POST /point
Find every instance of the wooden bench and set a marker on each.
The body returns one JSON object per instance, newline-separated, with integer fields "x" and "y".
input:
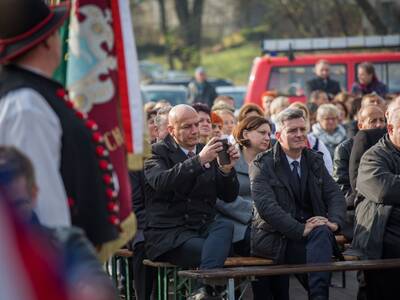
{"x": 250, "y": 272}
{"x": 167, "y": 275}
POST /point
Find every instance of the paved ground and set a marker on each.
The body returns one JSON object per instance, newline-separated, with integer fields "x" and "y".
{"x": 297, "y": 292}
{"x": 349, "y": 293}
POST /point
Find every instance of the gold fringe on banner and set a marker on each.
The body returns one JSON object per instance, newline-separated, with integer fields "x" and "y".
{"x": 128, "y": 230}
{"x": 136, "y": 161}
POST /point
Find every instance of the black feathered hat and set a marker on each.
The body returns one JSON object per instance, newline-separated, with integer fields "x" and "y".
{"x": 26, "y": 23}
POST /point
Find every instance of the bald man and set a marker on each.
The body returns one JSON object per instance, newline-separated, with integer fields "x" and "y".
{"x": 183, "y": 180}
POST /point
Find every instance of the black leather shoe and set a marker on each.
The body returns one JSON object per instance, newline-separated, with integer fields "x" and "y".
{"x": 205, "y": 292}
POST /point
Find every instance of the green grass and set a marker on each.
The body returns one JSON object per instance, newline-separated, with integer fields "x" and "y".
{"x": 234, "y": 63}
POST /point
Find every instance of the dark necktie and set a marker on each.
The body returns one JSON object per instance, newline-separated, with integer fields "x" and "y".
{"x": 191, "y": 154}
{"x": 296, "y": 179}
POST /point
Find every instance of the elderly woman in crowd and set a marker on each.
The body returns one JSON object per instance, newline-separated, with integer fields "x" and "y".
{"x": 205, "y": 127}
{"x": 328, "y": 130}
{"x": 313, "y": 142}
{"x": 249, "y": 109}
{"x": 253, "y": 137}
{"x": 368, "y": 81}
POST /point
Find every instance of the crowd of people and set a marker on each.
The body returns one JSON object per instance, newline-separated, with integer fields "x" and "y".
{"x": 275, "y": 181}
{"x": 296, "y": 174}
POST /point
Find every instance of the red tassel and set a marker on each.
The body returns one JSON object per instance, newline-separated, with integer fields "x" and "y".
{"x": 97, "y": 137}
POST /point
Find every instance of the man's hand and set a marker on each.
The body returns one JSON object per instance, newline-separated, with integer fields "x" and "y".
{"x": 332, "y": 226}
{"x": 210, "y": 151}
{"x": 234, "y": 155}
{"x": 309, "y": 226}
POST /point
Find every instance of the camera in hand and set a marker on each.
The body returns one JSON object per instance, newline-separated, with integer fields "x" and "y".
{"x": 223, "y": 155}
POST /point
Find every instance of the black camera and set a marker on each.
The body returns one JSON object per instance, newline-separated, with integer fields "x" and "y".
{"x": 223, "y": 156}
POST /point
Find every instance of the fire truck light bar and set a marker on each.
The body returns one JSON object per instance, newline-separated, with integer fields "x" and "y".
{"x": 331, "y": 43}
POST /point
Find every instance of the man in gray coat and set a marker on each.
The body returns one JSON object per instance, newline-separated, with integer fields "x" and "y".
{"x": 298, "y": 205}
{"x": 377, "y": 230}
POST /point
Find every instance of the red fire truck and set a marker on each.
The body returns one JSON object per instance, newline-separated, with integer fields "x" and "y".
{"x": 288, "y": 74}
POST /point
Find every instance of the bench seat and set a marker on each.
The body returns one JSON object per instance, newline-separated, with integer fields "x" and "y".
{"x": 229, "y": 262}
{"x": 238, "y": 272}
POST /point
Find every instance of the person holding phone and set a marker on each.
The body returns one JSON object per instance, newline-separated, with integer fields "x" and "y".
{"x": 183, "y": 180}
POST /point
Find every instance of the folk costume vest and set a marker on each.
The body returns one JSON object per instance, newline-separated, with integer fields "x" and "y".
{"x": 85, "y": 166}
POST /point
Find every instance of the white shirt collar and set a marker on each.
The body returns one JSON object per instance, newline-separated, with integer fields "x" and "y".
{"x": 290, "y": 160}
{"x": 186, "y": 151}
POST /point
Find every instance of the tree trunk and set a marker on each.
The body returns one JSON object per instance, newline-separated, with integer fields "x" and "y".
{"x": 190, "y": 24}
{"x": 190, "y": 21}
{"x": 373, "y": 17}
{"x": 165, "y": 33}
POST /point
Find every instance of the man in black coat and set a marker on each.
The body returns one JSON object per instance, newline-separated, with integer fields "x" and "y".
{"x": 298, "y": 205}
{"x": 377, "y": 230}
{"x": 183, "y": 180}
{"x": 322, "y": 81}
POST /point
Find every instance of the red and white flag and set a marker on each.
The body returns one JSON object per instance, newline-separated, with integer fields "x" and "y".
{"x": 102, "y": 79}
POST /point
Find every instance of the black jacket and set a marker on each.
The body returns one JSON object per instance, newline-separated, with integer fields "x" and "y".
{"x": 181, "y": 196}
{"x": 274, "y": 219}
{"x": 330, "y": 86}
{"x": 363, "y": 140}
{"x": 138, "y": 197}
{"x": 379, "y": 182}
{"x": 341, "y": 160}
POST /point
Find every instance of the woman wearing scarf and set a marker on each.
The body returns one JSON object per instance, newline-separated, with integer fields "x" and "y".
{"x": 367, "y": 81}
{"x": 328, "y": 130}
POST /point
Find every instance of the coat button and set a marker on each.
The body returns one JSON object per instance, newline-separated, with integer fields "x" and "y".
{"x": 186, "y": 216}
{"x": 189, "y": 200}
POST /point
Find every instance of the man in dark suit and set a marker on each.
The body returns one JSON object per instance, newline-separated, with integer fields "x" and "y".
{"x": 322, "y": 82}
{"x": 377, "y": 229}
{"x": 298, "y": 205}
{"x": 183, "y": 180}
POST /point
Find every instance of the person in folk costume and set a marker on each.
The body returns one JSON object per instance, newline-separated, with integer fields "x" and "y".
{"x": 74, "y": 173}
